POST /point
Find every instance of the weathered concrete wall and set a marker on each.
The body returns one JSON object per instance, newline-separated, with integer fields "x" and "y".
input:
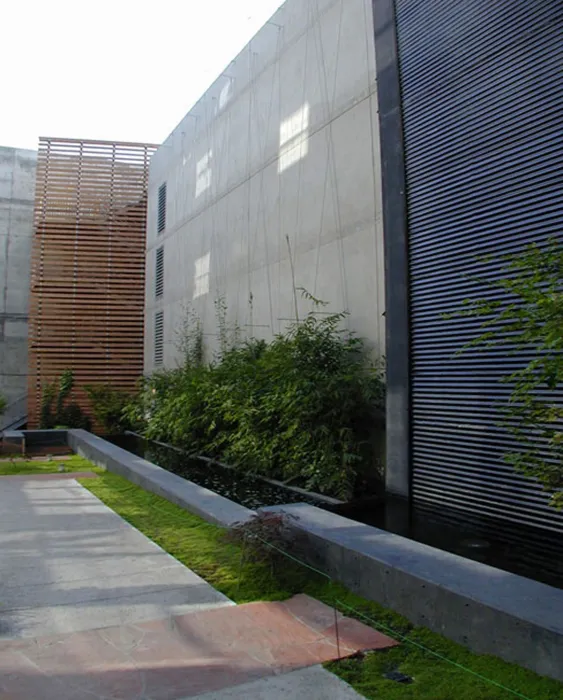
{"x": 17, "y": 194}
{"x": 281, "y": 153}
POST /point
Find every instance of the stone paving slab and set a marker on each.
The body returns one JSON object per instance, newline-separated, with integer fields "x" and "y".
{"x": 69, "y": 563}
{"x": 184, "y": 656}
{"x": 312, "y": 683}
{"x": 47, "y": 477}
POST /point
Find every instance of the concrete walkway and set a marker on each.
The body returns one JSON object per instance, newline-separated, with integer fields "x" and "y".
{"x": 90, "y": 608}
{"x": 313, "y": 683}
{"x": 69, "y": 563}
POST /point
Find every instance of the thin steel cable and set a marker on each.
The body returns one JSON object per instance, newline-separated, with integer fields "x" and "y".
{"x": 394, "y": 633}
{"x": 342, "y": 604}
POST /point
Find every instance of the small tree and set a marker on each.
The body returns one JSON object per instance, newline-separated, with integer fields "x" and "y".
{"x": 530, "y": 319}
{"x": 109, "y": 407}
{"x": 55, "y": 411}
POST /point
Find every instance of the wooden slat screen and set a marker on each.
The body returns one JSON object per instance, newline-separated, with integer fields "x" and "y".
{"x": 88, "y": 266}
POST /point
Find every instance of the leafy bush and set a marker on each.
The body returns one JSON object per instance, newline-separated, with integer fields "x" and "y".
{"x": 55, "y": 412}
{"x": 3, "y": 404}
{"x": 304, "y": 407}
{"x": 529, "y": 321}
{"x": 109, "y": 408}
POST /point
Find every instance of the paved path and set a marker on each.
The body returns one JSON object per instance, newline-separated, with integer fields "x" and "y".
{"x": 312, "y": 683}
{"x": 90, "y": 608}
{"x": 69, "y": 563}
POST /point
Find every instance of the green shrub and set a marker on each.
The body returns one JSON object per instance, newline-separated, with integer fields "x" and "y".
{"x": 305, "y": 407}
{"x": 3, "y": 404}
{"x": 528, "y": 321}
{"x": 55, "y": 411}
{"x": 109, "y": 408}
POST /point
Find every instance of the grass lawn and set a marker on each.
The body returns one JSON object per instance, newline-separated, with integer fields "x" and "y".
{"x": 73, "y": 463}
{"x": 203, "y": 547}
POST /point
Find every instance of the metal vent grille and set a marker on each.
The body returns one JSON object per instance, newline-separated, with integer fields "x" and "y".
{"x": 482, "y": 115}
{"x": 159, "y": 273}
{"x": 159, "y": 338}
{"x": 161, "y": 220}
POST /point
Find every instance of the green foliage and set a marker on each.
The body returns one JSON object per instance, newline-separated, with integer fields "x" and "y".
{"x": 228, "y": 335}
{"x": 190, "y": 338}
{"x": 2, "y": 404}
{"x": 109, "y": 408}
{"x": 55, "y": 411}
{"x": 304, "y": 407}
{"x": 264, "y": 536}
{"x": 530, "y": 322}
{"x": 47, "y": 419}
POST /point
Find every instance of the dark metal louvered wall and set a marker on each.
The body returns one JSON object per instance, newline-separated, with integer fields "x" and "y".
{"x": 483, "y": 125}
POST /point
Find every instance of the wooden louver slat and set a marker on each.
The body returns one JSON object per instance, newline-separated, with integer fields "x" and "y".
{"x": 88, "y": 266}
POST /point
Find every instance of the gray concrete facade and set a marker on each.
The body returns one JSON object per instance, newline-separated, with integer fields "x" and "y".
{"x": 273, "y": 183}
{"x": 17, "y": 196}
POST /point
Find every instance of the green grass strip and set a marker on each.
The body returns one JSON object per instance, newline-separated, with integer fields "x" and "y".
{"x": 406, "y": 639}
{"x": 73, "y": 463}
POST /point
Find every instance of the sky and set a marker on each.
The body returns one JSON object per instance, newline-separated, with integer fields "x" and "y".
{"x": 120, "y": 70}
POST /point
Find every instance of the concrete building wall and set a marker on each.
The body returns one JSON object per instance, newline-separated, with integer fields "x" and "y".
{"x": 17, "y": 195}
{"x": 276, "y": 166}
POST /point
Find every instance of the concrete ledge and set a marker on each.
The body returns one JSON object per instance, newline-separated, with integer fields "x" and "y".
{"x": 14, "y": 437}
{"x": 45, "y": 438}
{"x": 208, "y": 505}
{"x": 489, "y": 610}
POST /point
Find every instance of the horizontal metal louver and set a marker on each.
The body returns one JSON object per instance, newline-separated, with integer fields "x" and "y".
{"x": 483, "y": 117}
{"x": 161, "y": 214}
{"x": 159, "y": 273}
{"x": 158, "y": 338}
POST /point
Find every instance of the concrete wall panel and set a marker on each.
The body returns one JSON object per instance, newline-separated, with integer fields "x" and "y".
{"x": 17, "y": 195}
{"x": 281, "y": 153}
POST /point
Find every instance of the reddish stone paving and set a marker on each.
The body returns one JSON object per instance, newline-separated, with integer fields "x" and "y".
{"x": 49, "y": 477}
{"x": 181, "y": 657}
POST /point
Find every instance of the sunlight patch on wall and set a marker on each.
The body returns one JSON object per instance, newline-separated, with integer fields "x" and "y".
{"x": 225, "y": 94}
{"x": 201, "y": 276}
{"x": 203, "y": 173}
{"x": 294, "y": 138}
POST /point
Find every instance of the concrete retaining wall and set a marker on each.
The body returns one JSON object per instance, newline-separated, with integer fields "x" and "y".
{"x": 486, "y": 609}
{"x": 195, "y": 499}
